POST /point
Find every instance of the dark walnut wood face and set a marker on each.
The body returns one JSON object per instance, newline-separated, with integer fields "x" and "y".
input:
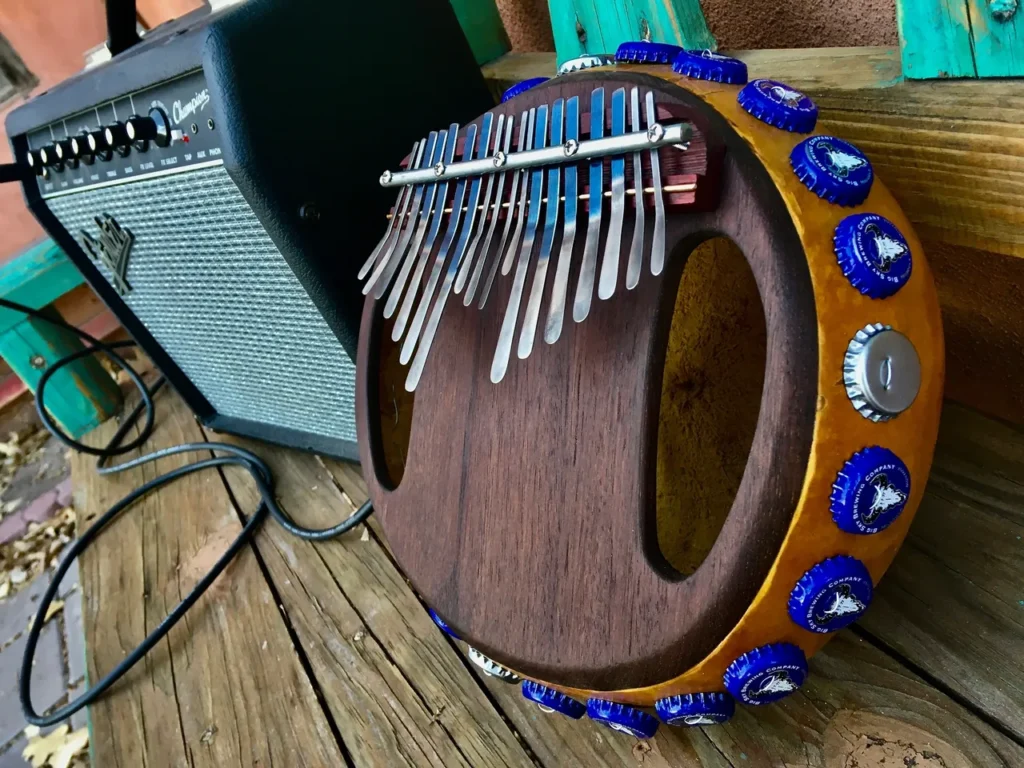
{"x": 525, "y": 511}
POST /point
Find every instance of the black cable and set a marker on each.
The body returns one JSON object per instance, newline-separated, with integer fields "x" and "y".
{"x": 240, "y": 457}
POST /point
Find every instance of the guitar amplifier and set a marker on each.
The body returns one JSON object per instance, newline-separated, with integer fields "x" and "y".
{"x": 211, "y": 183}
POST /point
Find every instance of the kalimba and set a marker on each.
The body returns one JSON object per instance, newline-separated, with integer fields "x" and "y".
{"x": 630, "y": 468}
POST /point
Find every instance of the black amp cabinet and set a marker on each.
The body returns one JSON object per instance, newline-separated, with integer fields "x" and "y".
{"x": 217, "y": 185}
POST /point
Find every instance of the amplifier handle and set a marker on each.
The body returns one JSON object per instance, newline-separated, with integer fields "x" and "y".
{"x": 121, "y": 21}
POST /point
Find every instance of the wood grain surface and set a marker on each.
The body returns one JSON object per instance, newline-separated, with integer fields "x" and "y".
{"x": 861, "y": 705}
{"x": 225, "y": 687}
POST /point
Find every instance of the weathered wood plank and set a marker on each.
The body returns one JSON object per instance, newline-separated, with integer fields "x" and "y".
{"x": 935, "y": 36}
{"x": 953, "y": 600}
{"x": 599, "y": 26}
{"x": 997, "y": 30}
{"x": 226, "y": 687}
{"x": 859, "y": 706}
{"x": 399, "y": 693}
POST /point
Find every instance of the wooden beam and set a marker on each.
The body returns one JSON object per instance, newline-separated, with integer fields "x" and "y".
{"x": 960, "y": 38}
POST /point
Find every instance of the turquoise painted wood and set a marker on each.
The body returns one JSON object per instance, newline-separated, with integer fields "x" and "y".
{"x": 36, "y": 278}
{"x": 960, "y": 38}
{"x": 599, "y": 26}
{"x": 483, "y": 28}
{"x": 81, "y": 396}
{"x": 997, "y": 27}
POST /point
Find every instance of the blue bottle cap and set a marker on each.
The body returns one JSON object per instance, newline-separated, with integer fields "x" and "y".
{"x": 522, "y": 86}
{"x": 622, "y": 718}
{"x": 696, "y": 709}
{"x": 442, "y": 624}
{"x": 832, "y": 595}
{"x": 870, "y": 491}
{"x": 833, "y": 169}
{"x": 766, "y": 674}
{"x": 873, "y": 254}
{"x": 779, "y": 105}
{"x": 708, "y": 65}
{"x": 550, "y": 700}
{"x": 640, "y": 51}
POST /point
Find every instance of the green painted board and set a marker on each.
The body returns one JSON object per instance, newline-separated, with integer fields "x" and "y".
{"x": 599, "y": 26}
{"x": 960, "y": 38}
{"x": 36, "y": 278}
{"x": 935, "y": 38}
{"x": 482, "y": 26}
{"x": 998, "y": 42}
{"x": 82, "y": 395}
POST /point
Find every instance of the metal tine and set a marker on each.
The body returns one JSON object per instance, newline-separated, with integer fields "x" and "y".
{"x": 472, "y": 207}
{"x": 435, "y": 273}
{"x": 435, "y": 226}
{"x": 529, "y": 330}
{"x": 403, "y": 193}
{"x": 495, "y": 212}
{"x": 613, "y": 243}
{"x": 386, "y": 256}
{"x": 636, "y": 250}
{"x": 416, "y": 370}
{"x": 368, "y": 264}
{"x": 513, "y": 213}
{"x": 556, "y": 312}
{"x": 408, "y": 257}
{"x": 585, "y": 284}
{"x": 521, "y": 212}
{"x": 508, "y": 326}
{"x": 467, "y": 262}
{"x": 414, "y": 214}
{"x": 658, "y": 242}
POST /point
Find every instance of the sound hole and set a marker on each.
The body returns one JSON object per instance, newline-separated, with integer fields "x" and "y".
{"x": 710, "y": 398}
{"x": 394, "y": 409}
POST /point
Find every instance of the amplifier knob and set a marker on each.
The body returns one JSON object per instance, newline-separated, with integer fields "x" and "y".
{"x": 117, "y": 137}
{"x": 97, "y": 144}
{"x": 65, "y": 154}
{"x": 48, "y": 156}
{"x": 80, "y": 148}
{"x": 154, "y": 127}
{"x": 33, "y": 162}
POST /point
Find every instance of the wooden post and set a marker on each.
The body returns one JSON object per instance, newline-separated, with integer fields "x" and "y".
{"x": 960, "y": 38}
{"x": 482, "y": 27}
{"x": 81, "y": 396}
{"x": 599, "y": 26}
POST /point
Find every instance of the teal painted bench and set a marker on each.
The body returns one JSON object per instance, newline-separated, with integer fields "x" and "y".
{"x": 82, "y": 395}
{"x": 599, "y": 26}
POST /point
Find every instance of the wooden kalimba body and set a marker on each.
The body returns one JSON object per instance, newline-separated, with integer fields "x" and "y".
{"x": 621, "y": 457}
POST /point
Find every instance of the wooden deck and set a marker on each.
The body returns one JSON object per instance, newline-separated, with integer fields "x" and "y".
{"x": 322, "y": 655}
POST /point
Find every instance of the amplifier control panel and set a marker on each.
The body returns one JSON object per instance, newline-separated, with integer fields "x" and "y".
{"x": 163, "y": 129}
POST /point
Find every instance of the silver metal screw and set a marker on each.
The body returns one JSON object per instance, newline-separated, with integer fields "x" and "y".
{"x": 655, "y": 132}
{"x": 499, "y": 159}
{"x": 439, "y": 170}
{"x": 385, "y": 178}
{"x": 571, "y": 147}
{"x": 37, "y": 361}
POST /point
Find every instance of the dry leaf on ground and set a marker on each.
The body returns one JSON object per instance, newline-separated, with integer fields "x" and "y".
{"x": 57, "y": 749}
{"x": 23, "y": 559}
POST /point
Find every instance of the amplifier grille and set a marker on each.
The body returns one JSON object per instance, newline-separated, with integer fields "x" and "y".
{"x": 212, "y": 288}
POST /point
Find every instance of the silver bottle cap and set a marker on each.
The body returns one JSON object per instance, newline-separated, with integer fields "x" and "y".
{"x": 882, "y": 372}
{"x": 492, "y": 668}
{"x": 586, "y": 62}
